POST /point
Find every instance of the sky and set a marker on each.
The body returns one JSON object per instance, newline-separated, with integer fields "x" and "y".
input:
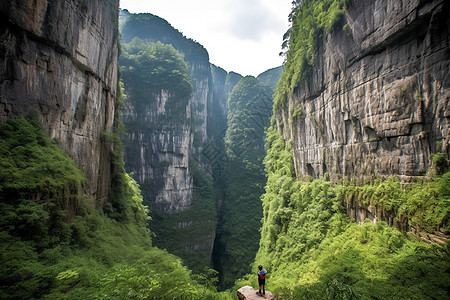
{"x": 242, "y": 36}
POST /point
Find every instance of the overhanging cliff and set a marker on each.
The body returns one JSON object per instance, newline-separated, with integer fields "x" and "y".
{"x": 59, "y": 59}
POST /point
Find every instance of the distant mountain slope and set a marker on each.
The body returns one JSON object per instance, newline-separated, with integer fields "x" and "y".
{"x": 271, "y": 77}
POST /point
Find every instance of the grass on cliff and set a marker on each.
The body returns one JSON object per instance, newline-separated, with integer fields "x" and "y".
{"x": 54, "y": 244}
{"x": 425, "y": 203}
{"x": 311, "y": 21}
{"x": 312, "y": 250}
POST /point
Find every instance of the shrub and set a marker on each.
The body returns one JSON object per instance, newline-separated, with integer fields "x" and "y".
{"x": 440, "y": 162}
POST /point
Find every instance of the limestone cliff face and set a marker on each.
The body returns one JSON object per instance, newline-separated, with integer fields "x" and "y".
{"x": 157, "y": 152}
{"x": 151, "y": 29}
{"x": 59, "y": 58}
{"x": 377, "y": 102}
{"x": 202, "y": 139}
{"x": 189, "y": 138}
{"x": 172, "y": 155}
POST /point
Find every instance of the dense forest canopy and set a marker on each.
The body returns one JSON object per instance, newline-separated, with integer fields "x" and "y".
{"x": 56, "y": 245}
{"x": 149, "y": 68}
{"x": 143, "y": 25}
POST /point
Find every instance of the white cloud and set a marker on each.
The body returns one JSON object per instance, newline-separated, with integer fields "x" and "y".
{"x": 240, "y": 35}
{"x": 252, "y": 20}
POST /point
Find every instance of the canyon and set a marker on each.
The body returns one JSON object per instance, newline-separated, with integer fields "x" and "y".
{"x": 370, "y": 101}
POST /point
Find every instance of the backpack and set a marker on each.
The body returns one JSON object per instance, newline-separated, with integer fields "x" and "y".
{"x": 262, "y": 274}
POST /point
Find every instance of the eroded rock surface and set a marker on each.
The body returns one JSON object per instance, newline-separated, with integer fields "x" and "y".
{"x": 157, "y": 152}
{"x": 59, "y": 59}
{"x": 378, "y": 102}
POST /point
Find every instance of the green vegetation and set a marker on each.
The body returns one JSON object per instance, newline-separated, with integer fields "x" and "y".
{"x": 249, "y": 107}
{"x": 231, "y": 81}
{"x": 179, "y": 232}
{"x": 147, "y": 69}
{"x": 297, "y": 113}
{"x": 313, "y": 251}
{"x": 271, "y": 77}
{"x": 440, "y": 161}
{"x": 153, "y": 28}
{"x": 311, "y": 21}
{"x": 120, "y": 195}
{"x": 33, "y": 167}
{"x": 425, "y": 204}
{"x": 54, "y": 244}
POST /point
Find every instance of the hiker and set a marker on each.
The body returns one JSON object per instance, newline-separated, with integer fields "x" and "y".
{"x": 261, "y": 279}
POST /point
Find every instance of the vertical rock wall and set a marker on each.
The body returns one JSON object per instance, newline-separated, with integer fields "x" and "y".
{"x": 157, "y": 151}
{"x": 190, "y": 139}
{"x": 378, "y": 99}
{"x": 173, "y": 156}
{"x": 59, "y": 59}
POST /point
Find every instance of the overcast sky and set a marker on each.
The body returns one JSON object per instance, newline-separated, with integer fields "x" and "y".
{"x": 243, "y": 36}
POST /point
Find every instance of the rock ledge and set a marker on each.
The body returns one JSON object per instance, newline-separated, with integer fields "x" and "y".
{"x": 249, "y": 293}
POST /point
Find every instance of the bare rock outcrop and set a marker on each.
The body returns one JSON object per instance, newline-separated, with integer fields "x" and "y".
{"x": 59, "y": 59}
{"x": 249, "y": 293}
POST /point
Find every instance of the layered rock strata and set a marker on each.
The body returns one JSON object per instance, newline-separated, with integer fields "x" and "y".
{"x": 378, "y": 102}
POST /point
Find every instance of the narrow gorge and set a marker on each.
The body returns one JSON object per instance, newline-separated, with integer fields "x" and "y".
{"x": 176, "y": 121}
{"x": 131, "y": 167}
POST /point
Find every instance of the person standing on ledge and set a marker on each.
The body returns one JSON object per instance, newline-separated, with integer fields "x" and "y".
{"x": 261, "y": 279}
